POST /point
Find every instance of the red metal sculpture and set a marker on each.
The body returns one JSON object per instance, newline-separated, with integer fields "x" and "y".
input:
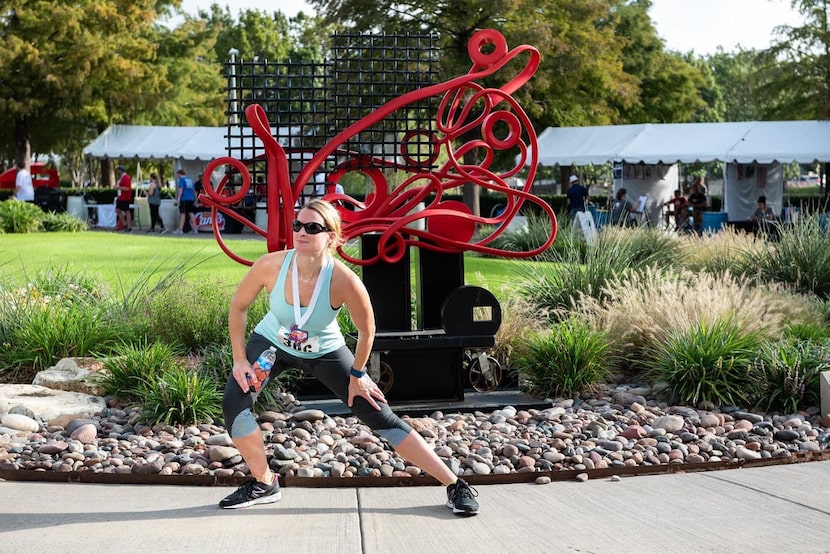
{"x": 442, "y": 225}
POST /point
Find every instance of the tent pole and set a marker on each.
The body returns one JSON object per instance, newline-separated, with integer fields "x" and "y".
{"x": 724, "y": 204}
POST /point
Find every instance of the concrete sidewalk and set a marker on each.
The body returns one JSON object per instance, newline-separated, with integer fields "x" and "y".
{"x": 763, "y": 509}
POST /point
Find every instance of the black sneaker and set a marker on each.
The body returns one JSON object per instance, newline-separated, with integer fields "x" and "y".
{"x": 252, "y": 492}
{"x": 461, "y": 498}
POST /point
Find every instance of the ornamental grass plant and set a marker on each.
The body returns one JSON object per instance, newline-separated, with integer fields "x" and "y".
{"x": 134, "y": 369}
{"x": 530, "y": 236}
{"x": 556, "y": 286}
{"x": 569, "y": 358}
{"x": 181, "y": 397}
{"x": 643, "y": 309}
{"x": 191, "y": 313}
{"x": 62, "y": 222}
{"x": 800, "y": 257}
{"x": 727, "y": 250}
{"x": 57, "y": 313}
{"x": 786, "y": 375}
{"x": 20, "y": 217}
{"x": 519, "y": 319}
{"x": 708, "y": 363}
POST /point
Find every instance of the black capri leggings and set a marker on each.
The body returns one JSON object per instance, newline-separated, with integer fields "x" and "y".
{"x": 331, "y": 369}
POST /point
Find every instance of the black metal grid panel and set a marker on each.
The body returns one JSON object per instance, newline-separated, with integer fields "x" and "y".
{"x": 371, "y": 70}
{"x": 309, "y": 103}
{"x": 295, "y": 98}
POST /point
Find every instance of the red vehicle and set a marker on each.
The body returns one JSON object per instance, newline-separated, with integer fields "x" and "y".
{"x": 43, "y": 175}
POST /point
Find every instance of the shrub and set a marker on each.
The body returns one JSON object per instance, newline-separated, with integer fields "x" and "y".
{"x": 643, "y": 309}
{"x": 519, "y": 318}
{"x": 181, "y": 397}
{"x": 20, "y": 217}
{"x": 786, "y": 376}
{"x": 192, "y": 314}
{"x": 617, "y": 252}
{"x": 65, "y": 222}
{"x": 801, "y": 258}
{"x": 569, "y": 359}
{"x": 726, "y": 250}
{"x": 57, "y": 314}
{"x": 525, "y": 238}
{"x": 135, "y": 368}
{"x": 708, "y": 363}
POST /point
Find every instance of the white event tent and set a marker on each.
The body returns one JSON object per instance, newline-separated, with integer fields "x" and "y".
{"x": 191, "y": 148}
{"x": 753, "y": 153}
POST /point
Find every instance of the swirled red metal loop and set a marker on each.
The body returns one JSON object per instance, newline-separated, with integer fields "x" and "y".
{"x": 405, "y": 216}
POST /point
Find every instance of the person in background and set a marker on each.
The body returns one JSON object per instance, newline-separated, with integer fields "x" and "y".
{"x": 23, "y": 188}
{"x": 622, "y": 212}
{"x": 197, "y": 187}
{"x": 186, "y": 201}
{"x": 154, "y": 202}
{"x": 307, "y": 288}
{"x": 697, "y": 200}
{"x": 124, "y": 199}
{"x": 763, "y": 217}
{"x": 577, "y": 196}
{"x": 678, "y": 209}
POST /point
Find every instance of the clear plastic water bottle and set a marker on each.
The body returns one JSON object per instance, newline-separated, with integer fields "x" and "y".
{"x": 262, "y": 367}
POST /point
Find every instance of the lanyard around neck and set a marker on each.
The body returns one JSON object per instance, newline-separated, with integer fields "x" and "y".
{"x": 301, "y": 319}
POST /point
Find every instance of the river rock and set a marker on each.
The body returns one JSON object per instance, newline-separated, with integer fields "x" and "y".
{"x": 669, "y": 423}
{"x": 20, "y": 422}
{"x": 47, "y": 403}
{"x": 72, "y": 375}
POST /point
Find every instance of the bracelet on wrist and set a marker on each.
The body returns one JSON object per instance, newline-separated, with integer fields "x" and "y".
{"x": 357, "y": 373}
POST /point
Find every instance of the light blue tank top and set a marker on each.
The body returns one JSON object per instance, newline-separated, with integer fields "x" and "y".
{"x": 324, "y": 333}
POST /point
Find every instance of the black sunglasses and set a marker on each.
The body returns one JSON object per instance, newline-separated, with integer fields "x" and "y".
{"x": 312, "y": 227}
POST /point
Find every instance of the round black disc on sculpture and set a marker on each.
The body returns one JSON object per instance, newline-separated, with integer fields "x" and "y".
{"x": 471, "y": 311}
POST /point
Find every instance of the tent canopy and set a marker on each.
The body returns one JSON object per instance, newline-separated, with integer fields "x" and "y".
{"x": 668, "y": 143}
{"x": 157, "y": 143}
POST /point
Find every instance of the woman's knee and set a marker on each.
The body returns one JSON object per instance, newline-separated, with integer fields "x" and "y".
{"x": 377, "y": 420}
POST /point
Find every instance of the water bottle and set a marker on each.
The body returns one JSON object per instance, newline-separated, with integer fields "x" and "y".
{"x": 262, "y": 367}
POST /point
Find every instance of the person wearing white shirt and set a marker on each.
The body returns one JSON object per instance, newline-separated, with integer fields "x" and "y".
{"x": 320, "y": 188}
{"x": 23, "y": 187}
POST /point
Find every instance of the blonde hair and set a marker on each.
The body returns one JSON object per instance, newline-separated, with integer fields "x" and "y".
{"x": 331, "y": 218}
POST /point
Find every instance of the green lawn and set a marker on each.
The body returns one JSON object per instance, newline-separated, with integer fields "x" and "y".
{"x": 121, "y": 258}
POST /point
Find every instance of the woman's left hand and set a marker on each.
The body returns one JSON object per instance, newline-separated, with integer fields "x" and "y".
{"x": 366, "y": 388}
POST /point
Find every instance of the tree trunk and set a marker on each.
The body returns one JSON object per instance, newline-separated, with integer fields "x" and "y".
{"x": 22, "y": 146}
{"x": 107, "y": 173}
{"x": 107, "y": 169}
{"x": 565, "y": 172}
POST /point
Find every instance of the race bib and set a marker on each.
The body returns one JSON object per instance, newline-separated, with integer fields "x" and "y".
{"x": 299, "y": 340}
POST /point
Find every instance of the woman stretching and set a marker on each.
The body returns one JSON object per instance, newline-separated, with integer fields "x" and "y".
{"x": 307, "y": 288}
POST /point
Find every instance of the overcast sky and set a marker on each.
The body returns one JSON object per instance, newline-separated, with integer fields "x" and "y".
{"x": 699, "y": 25}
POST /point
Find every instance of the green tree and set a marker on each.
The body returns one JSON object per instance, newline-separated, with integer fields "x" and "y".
{"x": 580, "y": 72}
{"x": 670, "y": 87}
{"x": 254, "y": 34}
{"x": 89, "y": 61}
{"x": 193, "y": 90}
{"x": 732, "y": 91}
{"x": 796, "y": 69}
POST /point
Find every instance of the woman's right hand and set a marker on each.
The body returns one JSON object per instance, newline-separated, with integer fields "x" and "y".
{"x": 244, "y": 376}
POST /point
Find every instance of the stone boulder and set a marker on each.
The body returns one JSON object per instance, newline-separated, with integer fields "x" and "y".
{"x": 46, "y": 403}
{"x": 72, "y": 375}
